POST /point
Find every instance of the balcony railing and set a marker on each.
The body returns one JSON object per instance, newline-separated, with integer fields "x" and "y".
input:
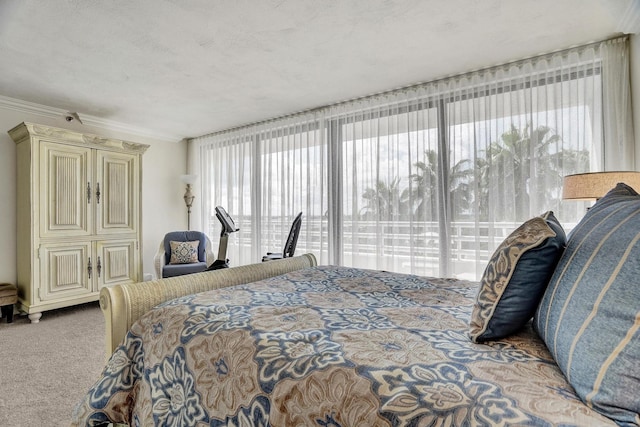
{"x": 400, "y": 246}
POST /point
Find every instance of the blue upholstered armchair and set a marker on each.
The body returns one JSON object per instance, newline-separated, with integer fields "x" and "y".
{"x": 183, "y": 252}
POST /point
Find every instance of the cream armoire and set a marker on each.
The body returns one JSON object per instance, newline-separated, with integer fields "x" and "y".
{"x": 78, "y": 216}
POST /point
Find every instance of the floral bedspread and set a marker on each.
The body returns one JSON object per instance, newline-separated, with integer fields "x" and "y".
{"x": 329, "y": 346}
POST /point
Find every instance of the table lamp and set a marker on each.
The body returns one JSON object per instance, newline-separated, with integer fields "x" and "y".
{"x": 594, "y": 185}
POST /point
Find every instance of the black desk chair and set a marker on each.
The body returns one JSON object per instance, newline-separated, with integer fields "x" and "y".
{"x": 290, "y": 245}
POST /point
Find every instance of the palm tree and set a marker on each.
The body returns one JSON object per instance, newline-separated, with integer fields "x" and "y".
{"x": 427, "y": 179}
{"x": 426, "y": 183}
{"x": 522, "y": 167}
{"x": 385, "y": 201}
{"x": 460, "y": 186}
{"x": 512, "y": 171}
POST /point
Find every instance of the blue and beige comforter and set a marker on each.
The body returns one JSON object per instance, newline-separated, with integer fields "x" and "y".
{"x": 329, "y": 346}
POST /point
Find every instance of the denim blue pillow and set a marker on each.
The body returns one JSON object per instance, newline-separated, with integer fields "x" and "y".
{"x": 589, "y": 317}
{"x": 516, "y": 277}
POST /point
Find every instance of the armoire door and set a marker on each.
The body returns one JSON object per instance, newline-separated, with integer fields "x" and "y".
{"x": 66, "y": 270}
{"x": 116, "y": 262}
{"x": 65, "y": 190}
{"x": 116, "y": 193}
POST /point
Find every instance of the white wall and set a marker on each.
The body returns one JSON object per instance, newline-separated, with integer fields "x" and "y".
{"x": 163, "y": 209}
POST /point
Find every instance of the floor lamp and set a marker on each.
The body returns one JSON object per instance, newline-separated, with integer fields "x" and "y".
{"x": 188, "y": 197}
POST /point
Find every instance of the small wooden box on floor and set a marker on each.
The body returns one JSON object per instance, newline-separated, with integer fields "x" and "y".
{"x": 8, "y": 297}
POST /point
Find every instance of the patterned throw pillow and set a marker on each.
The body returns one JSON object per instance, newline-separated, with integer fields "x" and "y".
{"x": 589, "y": 317}
{"x": 184, "y": 252}
{"x": 516, "y": 277}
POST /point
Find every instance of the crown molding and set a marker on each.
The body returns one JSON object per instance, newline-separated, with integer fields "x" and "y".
{"x": 630, "y": 21}
{"x": 56, "y": 113}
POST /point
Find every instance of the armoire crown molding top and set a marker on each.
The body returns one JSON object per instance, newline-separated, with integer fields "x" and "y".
{"x": 57, "y": 113}
{"x": 26, "y": 129}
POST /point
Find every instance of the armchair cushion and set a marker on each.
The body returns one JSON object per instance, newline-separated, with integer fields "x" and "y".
{"x": 172, "y": 270}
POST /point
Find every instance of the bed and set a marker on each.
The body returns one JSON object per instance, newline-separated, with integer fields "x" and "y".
{"x": 309, "y": 345}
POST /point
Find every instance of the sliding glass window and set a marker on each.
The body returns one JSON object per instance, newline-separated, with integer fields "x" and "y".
{"x": 428, "y": 179}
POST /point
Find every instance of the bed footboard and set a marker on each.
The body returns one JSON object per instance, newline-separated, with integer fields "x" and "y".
{"x": 122, "y": 305}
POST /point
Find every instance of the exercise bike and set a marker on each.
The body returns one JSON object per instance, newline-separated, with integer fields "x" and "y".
{"x": 228, "y": 227}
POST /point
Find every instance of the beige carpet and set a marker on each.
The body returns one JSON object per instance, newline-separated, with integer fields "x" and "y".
{"x": 46, "y": 368}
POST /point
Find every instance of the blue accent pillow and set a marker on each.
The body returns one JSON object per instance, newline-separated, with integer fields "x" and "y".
{"x": 589, "y": 317}
{"x": 516, "y": 277}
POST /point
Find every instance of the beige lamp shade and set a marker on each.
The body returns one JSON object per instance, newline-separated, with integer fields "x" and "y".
{"x": 594, "y": 185}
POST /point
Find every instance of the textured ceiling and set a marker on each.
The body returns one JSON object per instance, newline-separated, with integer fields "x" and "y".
{"x": 184, "y": 68}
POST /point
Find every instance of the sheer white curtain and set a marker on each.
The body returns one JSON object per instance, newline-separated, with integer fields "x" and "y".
{"x": 431, "y": 178}
{"x": 263, "y": 175}
{"x": 227, "y": 176}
